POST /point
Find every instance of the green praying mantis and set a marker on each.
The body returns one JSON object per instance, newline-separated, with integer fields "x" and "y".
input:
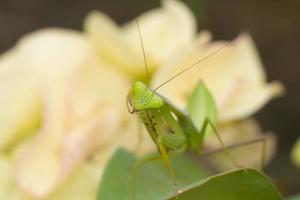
{"x": 176, "y": 131}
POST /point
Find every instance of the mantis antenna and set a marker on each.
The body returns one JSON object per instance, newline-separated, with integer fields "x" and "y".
{"x": 193, "y": 65}
{"x": 178, "y": 74}
{"x": 141, "y": 41}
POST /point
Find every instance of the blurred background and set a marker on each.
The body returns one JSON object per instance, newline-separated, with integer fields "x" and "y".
{"x": 274, "y": 25}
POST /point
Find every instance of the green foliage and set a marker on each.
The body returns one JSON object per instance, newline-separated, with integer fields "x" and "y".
{"x": 245, "y": 184}
{"x": 201, "y": 105}
{"x": 297, "y": 197}
{"x": 296, "y": 153}
{"x": 154, "y": 182}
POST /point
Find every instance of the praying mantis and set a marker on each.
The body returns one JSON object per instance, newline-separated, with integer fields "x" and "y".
{"x": 175, "y": 131}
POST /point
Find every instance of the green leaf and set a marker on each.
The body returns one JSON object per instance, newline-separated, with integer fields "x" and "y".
{"x": 201, "y": 105}
{"x": 296, "y": 153}
{"x": 154, "y": 183}
{"x": 242, "y": 184}
{"x": 297, "y": 197}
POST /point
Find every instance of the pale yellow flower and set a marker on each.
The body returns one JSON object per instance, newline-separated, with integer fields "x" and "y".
{"x": 8, "y": 187}
{"x": 56, "y": 77}
{"x": 63, "y": 96}
{"x": 296, "y": 153}
{"x": 164, "y": 30}
{"x": 235, "y": 76}
{"x": 20, "y": 104}
{"x": 81, "y": 185}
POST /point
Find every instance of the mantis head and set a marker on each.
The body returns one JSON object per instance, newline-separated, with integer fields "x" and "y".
{"x": 141, "y": 98}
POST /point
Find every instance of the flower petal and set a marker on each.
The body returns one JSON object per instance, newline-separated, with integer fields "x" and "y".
{"x": 235, "y": 77}
{"x": 37, "y": 172}
{"x": 98, "y": 83}
{"x": 164, "y": 31}
{"x": 54, "y": 155}
{"x": 242, "y": 105}
{"x": 8, "y": 189}
{"x": 249, "y": 155}
{"x": 53, "y": 52}
{"x": 82, "y": 184}
{"x": 20, "y": 104}
{"x": 38, "y": 163}
{"x": 38, "y": 60}
{"x": 73, "y": 125}
{"x": 7, "y": 60}
{"x": 110, "y": 42}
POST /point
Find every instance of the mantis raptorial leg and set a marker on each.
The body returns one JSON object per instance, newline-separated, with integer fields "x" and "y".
{"x": 140, "y": 137}
{"x": 206, "y": 124}
{"x": 262, "y": 140}
{"x": 165, "y": 157}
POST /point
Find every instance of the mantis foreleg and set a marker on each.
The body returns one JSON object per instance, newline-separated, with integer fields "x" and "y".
{"x": 140, "y": 138}
{"x": 261, "y": 140}
{"x": 207, "y": 123}
{"x": 166, "y": 159}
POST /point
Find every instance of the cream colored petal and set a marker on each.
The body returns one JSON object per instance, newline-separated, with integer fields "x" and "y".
{"x": 251, "y": 92}
{"x": 110, "y": 42}
{"x": 242, "y": 105}
{"x": 7, "y": 60}
{"x": 203, "y": 38}
{"x": 39, "y": 56}
{"x": 37, "y": 168}
{"x": 95, "y": 84}
{"x": 8, "y": 188}
{"x": 20, "y": 104}
{"x": 53, "y": 52}
{"x": 296, "y": 153}
{"x": 164, "y": 31}
{"x": 97, "y": 132}
{"x": 38, "y": 164}
{"x": 234, "y": 75}
{"x": 55, "y": 111}
{"x": 77, "y": 120}
{"x": 46, "y": 163}
{"x": 82, "y": 184}
{"x": 99, "y": 107}
{"x": 57, "y": 150}
{"x": 245, "y": 155}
